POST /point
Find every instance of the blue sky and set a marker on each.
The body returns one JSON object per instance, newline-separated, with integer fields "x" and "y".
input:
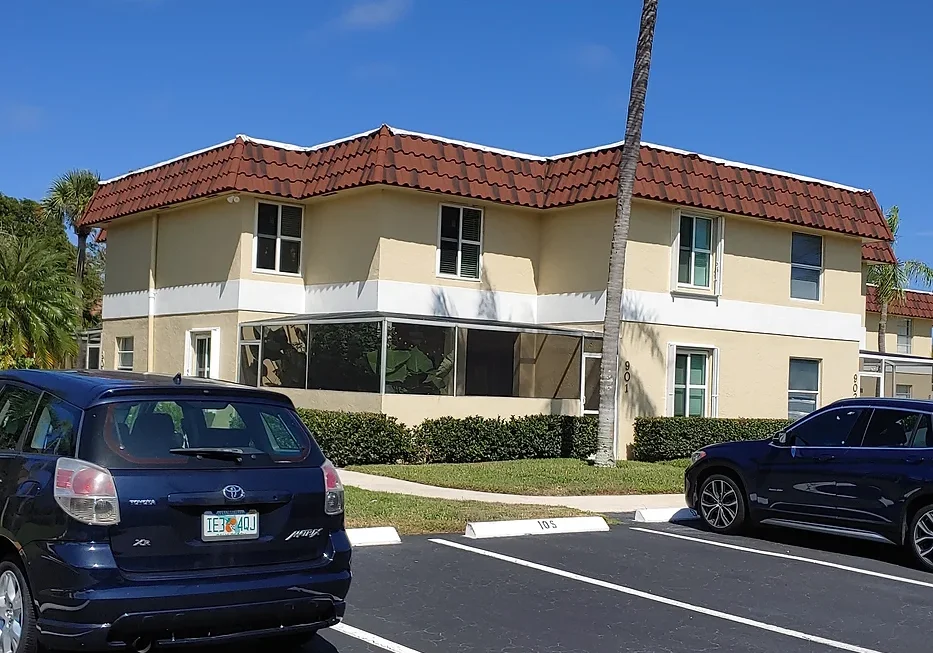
{"x": 836, "y": 89}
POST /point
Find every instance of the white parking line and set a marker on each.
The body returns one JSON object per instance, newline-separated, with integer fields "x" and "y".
{"x": 660, "y": 599}
{"x": 787, "y": 556}
{"x": 369, "y": 638}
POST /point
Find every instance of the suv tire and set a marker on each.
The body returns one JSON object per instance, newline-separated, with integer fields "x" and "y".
{"x": 16, "y": 610}
{"x": 919, "y": 540}
{"x": 721, "y": 504}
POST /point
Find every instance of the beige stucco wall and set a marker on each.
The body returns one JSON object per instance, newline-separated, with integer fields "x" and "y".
{"x": 354, "y": 402}
{"x": 753, "y": 370}
{"x": 138, "y": 328}
{"x": 128, "y": 249}
{"x": 408, "y": 248}
{"x": 921, "y": 343}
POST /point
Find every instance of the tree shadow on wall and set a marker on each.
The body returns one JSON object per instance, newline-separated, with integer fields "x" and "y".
{"x": 638, "y": 332}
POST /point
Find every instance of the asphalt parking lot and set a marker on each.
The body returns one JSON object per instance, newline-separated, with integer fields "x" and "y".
{"x": 658, "y": 588}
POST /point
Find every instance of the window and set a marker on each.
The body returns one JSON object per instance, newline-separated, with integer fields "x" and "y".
{"x": 93, "y": 357}
{"x": 832, "y": 428}
{"x": 249, "y": 356}
{"x": 891, "y": 428}
{"x": 284, "y": 356}
{"x": 922, "y": 439}
{"x": 696, "y": 252}
{"x": 56, "y": 428}
{"x": 803, "y": 388}
{"x": 16, "y": 408}
{"x": 806, "y": 268}
{"x": 278, "y": 237}
{"x": 344, "y": 356}
{"x": 419, "y": 359}
{"x": 125, "y": 353}
{"x": 903, "y": 336}
{"x": 903, "y": 391}
{"x": 691, "y": 383}
{"x": 459, "y": 248}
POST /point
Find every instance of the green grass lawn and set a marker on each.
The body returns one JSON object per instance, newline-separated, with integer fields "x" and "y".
{"x": 556, "y": 476}
{"x": 416, "y": 515}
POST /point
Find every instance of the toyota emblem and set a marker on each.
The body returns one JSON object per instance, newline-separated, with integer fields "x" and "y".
{"x": 233, "y": 493}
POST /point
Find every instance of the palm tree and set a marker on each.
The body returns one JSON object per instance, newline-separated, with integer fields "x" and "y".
{"x": 631, "y": 149}
{"x": 38, "y": 304}
{"x": 891, "y": 279}
{"x": 67, "y": 200}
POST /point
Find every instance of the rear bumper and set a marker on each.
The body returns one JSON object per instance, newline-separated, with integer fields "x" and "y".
{"x": 102, "y": 608}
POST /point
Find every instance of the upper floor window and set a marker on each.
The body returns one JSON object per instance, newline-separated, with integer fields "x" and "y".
{"x": 806, "y": 266}
{"x": 695, "y": 264}
{"x": 903, "y": 336}
{"x": 278, "y": 238}
{"x": 460, "y": 242}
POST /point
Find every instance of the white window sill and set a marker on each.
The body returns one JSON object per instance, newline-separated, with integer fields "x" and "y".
{"x": 457, "y": 278}
{"x": 803, "y": 300}
{"x": 694, "y": 293}
{"x": 276, "y": 273}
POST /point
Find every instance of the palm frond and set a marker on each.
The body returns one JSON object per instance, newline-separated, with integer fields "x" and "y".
{"x": 69, "y": 196}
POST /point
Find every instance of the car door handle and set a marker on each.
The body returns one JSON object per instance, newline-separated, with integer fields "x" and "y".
{"x": 914, "y": 460}
{"x": 825, "y": 458}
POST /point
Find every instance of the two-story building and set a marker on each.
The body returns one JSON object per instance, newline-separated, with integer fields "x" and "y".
{"x": 903, "y": 366}
{"x": 419, "y": 276}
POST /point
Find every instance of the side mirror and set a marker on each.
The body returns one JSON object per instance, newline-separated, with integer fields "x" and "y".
{"x": 780, "y": 438}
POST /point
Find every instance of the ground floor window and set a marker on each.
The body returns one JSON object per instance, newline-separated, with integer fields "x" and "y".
{"x": 803, "y": 390}
{"x": 202, "y": 349}
{"x": 124, "y": 357}
{"x": 592, "y": 360}
{"x": 691, "y": 383}
{"x": 903, "y": 391}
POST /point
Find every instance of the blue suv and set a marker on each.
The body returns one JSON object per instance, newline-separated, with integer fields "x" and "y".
{"x": 139, "y": 510}
{"x": 860, "y": 468}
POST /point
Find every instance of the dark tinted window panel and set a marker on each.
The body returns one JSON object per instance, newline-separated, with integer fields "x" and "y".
{"x": 16, "y": 408}
{"x": 419, "y": 359}
{"x": 807, "y": 250}
{"x": 290, "y": 256}
{"x": 291, "y": 221}
{"x": 268, "y": 221}
{"x": 284, "y": 356}
{"x": 472, "y": 224}
{"x": 891, "y": 428}
{"x": 448, "y": 264}
{"x": 55, "y": 428}
{"x": 265, "y": 253}
{"x": 469, "y": 261}
{"x": 490, "y": 363}
{"x": 345, "y": 357}
{"x": 249, "y": 333}
{"x": 833, "y": 428}
{"x": 249, "y": 365}
{"x": 450, "y": 222}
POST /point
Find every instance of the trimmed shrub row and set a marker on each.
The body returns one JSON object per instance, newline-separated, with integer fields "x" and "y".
{"x": 667, "y": 438}
{"x": 373, "y": 438}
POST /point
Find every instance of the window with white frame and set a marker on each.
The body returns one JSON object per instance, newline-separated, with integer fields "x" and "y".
{"x": 93, "y": 357}
{"x": 460, "y": 242}
{"x": 903, "y": 336}
{"x": 125, "y": 353}
{"x": 903, "y": 391}
{"x": 806, "y": 269}
{"x": 278, "y": 237}
{"x": 202, "y": 356}
{"x": 696, "y": 256}
{"x": 691, "y": 383}
{"x": 803, "y": 388}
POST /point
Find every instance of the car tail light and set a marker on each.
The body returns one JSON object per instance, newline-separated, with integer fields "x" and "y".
{"x": 333, "y": 489}
{"x": 86, "y": 492}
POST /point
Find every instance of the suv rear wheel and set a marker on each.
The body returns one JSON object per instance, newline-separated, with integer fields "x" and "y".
{"x": 721, "y": 504}
{"x": 17, "y": 613}
{"x": 920, "y": 537}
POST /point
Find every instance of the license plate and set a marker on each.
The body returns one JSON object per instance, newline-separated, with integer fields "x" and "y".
{"x": 230, "y": 525}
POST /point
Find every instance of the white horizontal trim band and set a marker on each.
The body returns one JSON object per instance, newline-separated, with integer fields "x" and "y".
{"x": 477, "y": 304}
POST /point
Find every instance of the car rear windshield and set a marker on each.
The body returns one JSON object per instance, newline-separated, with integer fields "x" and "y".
{"x": 156, "y": 433}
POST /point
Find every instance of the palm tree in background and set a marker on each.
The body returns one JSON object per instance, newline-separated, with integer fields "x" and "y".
{"x": 38, "y": 303}
{"x": 67, "y": 200}
{"x": 891, "y": 279}
{"x": 609, "y": 367}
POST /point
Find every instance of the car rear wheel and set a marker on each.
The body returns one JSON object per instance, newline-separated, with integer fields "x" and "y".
{"x": 721, "y": 504}
{"x": 920, "y": 537}
{"x": 18, "y": 632}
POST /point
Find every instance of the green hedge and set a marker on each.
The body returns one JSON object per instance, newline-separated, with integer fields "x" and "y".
{"x": 667, "y": 438}
{"x": 369, "y": 438}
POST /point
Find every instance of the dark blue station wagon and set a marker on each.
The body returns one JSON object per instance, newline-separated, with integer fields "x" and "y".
{"x": 140, "y": 511}
{"x": 860, "y": 468}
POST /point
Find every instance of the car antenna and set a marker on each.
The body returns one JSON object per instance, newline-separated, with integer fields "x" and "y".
{"x": 177, "y": 379}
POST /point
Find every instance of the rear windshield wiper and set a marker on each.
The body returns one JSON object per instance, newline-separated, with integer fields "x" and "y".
{"x": 219, "y": 453}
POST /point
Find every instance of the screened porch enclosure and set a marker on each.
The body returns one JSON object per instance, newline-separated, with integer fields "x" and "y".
{"x": 892, "y": 375}
{"x": 404, "y": 355}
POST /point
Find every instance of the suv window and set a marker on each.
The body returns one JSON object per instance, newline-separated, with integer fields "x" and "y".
{"x": 130, "y": 434}
{"x": 832, "y": 428}
{"x": 16, "y": 408}
{"x": 923, "y": 437}
{"x": 55, "y": 429}
{"x": 891, "y": 428}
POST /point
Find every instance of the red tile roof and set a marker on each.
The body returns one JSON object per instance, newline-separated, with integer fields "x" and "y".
{"x": 101, "y": 236}
{"x": 400, "y": 158}
{"x": 915, "y": 304}
{"x": 878, "y": 252}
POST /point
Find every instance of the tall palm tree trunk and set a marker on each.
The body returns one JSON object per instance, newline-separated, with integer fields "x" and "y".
{"x": 609, "y": 367}
{"x": 883, "y": 327}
